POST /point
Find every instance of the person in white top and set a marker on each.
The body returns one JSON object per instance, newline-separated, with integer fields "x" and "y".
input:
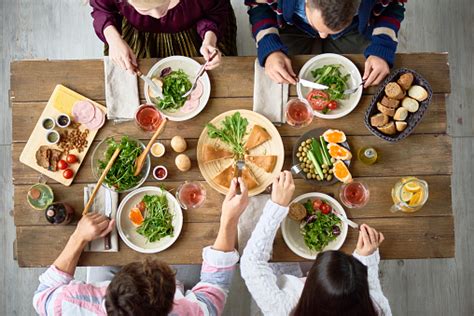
{"x": 337, "y": 284}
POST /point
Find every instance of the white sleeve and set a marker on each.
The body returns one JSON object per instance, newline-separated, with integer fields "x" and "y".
{"x": 255, "y": 269}
{"x": 375, "y": 289}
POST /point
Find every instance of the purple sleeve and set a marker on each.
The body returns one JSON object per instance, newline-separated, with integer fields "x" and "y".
{"x": 216, "y": 14}
{"x": 105, "y": 13}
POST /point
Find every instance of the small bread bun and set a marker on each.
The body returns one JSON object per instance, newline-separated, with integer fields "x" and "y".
{"x": 394, "y": 91}
{"x": 388, "y": 128}
{"x": 390, "y": 103}
{"x": 418, "y": 93}
{"x": 401, "y": 114}
{"x": 401, "y": 125}
{"x": 378, "y": 120}
{"x": 406, "y": 80}
{"x": 385, "y": 110}
{"x": 410, "y": 104}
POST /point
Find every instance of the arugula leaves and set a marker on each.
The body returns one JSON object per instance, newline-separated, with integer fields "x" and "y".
{"x": 158, "y": 220}
{"x": 331, "y": 76}
{"x": 232, "y": 132}
{"x": 175, "y": 84}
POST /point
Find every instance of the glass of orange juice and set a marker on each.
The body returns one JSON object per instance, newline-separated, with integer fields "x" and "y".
{"x": 409, "y": 195}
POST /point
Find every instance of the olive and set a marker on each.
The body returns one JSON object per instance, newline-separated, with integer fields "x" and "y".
{"x": 301, "y": 159}
{"x": 303, "y": 154}
{"x": 333, "y": 160}
{"x": 305, "y": 149}
{"x": 318, "y": 178}
{"x": 308, "y": 141}
{"x": 308, "y": 176}
{"x": 298, "y": 154}
{"x": 324, "y": 166}
{"x": 330, "y": 171}
{"x": 325, "y": 171}
{"x": 302, "y": 165}
{"x": 329, "y": 177}
{"x": 305, "y": 170}
{"x": 303, "y": 143}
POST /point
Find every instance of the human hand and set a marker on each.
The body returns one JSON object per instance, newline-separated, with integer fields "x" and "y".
{"x": 376, "y": 69}
{"x": 278, "y": 68}
{"x": 92, "y": 226}
{"x": 208, "y": 47}
{"x": 119, "y": 51}
{"x": 234, "y": 204}
{"x": 369, "y": 240}
{"x": 283, "y": 189}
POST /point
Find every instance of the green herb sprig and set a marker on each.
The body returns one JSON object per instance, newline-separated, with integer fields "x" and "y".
{"x": 331, "y": 76}
{"x": 158, "y": 219}
{"x": 232, "y": 132}
{"x": 175, "y": 84}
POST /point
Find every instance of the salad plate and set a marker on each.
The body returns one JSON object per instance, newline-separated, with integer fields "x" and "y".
{"x": 348, "y": 73}
{"x": 128, "y": 231}
{"x": 292, "y": 231}
{"x": 186, "y": 68}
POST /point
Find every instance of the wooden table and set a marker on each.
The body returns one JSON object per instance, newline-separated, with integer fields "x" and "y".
{"x": 428, "y": 233}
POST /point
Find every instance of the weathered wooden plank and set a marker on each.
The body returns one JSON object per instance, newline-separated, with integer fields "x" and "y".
{"x": 434, "y": 121}
{"x": 420, "y": 154}
{"x": 89, "y": 81}
{"x": 408, "y": 238}
{"x": 49, "y": 241}
{"x": 439, "y": 202}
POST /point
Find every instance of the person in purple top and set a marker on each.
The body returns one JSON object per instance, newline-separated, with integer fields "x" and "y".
{"x": 134, "y": 29}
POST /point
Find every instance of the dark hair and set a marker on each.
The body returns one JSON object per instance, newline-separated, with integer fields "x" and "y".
{"x": 336, "y": 285}
{"x": 337, "y": 14}
{"x": 141, "y": 288}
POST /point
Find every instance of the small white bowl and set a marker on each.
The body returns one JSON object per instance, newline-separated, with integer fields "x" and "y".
{"x": 158, "y": 178}
{"x": 52, "y": 132}
{"x": 46, "y": 119}
{"x": 160, "y": 145}
{"x": 63, "y": 125}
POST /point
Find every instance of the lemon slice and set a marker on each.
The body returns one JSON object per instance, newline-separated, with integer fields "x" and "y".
{"x": 406, "y": 179}
{"x": 416, "y": 199}
{"x": 406, "y": 195}
{"x": 412, "y": 186}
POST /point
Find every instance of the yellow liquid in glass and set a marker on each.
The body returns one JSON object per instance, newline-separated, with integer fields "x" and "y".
{"x": 410, "y": 194}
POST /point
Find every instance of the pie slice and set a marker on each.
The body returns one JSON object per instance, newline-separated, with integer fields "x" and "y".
{"x": 225, "y": 176}
{"x": 267, "y": 163}
{"x": 258, "y": 136}
{"x": 249, "y": 178}
{"x": 212, "y": 153}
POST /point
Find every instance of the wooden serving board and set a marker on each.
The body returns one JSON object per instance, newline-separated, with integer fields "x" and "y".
{"x": 66, "y": 98}
{"x": 274, "y": 146}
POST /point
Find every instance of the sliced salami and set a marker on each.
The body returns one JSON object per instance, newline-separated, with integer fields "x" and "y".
{"x": 98, "y": 120}
{"x": 190, "y": 106}
{"x": 83, "y": 112}
{"x": 196, "y": 94}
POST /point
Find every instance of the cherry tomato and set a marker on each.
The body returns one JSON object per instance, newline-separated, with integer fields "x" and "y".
{"x": 325, "y": 208}
{"x": 317, "y": 204}
{"x": 141, "y": 206}
{"x": 68, "y": 173}
{"x": 62, "y": 164}
{"x": 318, "y": 99}
{"x": 332, "y": 105}
{"x": 71, "y": 158}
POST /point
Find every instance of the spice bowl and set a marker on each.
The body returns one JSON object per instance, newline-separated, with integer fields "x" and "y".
{"x": 63, "y": 120}
{"x": 48, "y": 123}
{"x": 160, "y": 173}
{"x": 157, "y": 150}
{"x": 52, "y": 137}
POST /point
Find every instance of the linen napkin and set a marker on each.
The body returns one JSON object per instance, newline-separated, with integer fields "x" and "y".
{"x": 121, "y": 92}
{"x": 103, "y": 199}
{"x": 269, "y": 97}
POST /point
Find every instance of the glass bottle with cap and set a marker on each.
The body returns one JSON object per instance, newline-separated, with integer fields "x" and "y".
{"x": 367, "y": 155}
{"x": 59, "y": 213}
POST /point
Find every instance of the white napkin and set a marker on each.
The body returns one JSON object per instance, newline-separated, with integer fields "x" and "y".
{"x": 249, "y": 219}
{"x": 121, "y": 92}
{"x": 99, "y": 206}
{"x": 269, "y": 97}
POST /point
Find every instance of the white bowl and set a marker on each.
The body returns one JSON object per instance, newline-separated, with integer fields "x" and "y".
{"x": 290, "y": 229}
{"x": 127, "y": 230}
{"x": 190, "y": 67}
{"x": 345, "y": 106}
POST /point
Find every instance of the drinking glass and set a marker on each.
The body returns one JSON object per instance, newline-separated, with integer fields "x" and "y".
{"x": 298, "y": 113}
{"x": 191, "y": 195}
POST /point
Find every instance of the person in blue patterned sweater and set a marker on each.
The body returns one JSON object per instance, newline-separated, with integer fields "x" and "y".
{"x": 289, "y": 27}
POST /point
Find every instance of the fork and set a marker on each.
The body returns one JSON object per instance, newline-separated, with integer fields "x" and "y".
{"x": 200, "y": 73}
{"x": 352, "y": 90}
{"x": 240, "y": 165}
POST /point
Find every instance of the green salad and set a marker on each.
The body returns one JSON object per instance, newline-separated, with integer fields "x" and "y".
{"x": 157, "y": 223}
{"x": 331, "y": 76}
{"x": 232, "y": 132}
{"x": 319, "y": 227}
{"x": 120, "y": 177}
{"x": 175, "y": 84}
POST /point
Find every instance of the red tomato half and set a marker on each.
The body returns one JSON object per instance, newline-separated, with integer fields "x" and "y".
{"x": 317, "y": 204}
{"x": 325, "y": 208}
{"x": 332, "y": 105}
{"x": 141, "y": 206}
{"x": 62, "y": 164}
{"x": 68, "y": 173}
{"x": 318, "y": 99}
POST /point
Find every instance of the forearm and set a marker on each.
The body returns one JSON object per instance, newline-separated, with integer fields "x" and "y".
{"x": 67, "y": 260}
{"x": 226, "y": 237}
{"x": 210, "y": 38}
{"x": 111, "y": 34}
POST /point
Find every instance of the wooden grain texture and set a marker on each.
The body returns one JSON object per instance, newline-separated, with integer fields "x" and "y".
{"x": 439, "y": 203}
{"x": 89, "y": 81}
{"x": 433, "y": 122}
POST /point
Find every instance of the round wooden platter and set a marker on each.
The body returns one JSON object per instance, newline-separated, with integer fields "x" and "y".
{"x": 274, "y": 146}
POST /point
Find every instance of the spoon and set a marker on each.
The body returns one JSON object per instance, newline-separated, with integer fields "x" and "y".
{"x": 140, "y": 162}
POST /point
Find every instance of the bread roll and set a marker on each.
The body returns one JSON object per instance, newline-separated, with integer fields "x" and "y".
{"x": 406, "y": 80}
{"x": 401, "y": 114}
{"x": 390, "y": 103}
{"x": 378, "y": 120}
{"x": 410, "y": 104}
{"x": 418, "y": 93}
{"x": 385, "y": 110}
{"x": 401, "y": 125}
{"x": 394, "y": 91}
{"x": 388, "y": 128}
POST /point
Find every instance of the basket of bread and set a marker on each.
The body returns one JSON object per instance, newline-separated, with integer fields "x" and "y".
{"x": 399, "y": 105}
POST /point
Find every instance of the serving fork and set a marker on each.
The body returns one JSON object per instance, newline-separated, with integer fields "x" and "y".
{"x": 200, "y": 73}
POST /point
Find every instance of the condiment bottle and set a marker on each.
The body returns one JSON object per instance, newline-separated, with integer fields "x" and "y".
{"x": 367, "y": 155}
{"x": 59, "y": 213}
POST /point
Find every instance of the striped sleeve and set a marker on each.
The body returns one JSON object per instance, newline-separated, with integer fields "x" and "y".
{"x": 264, "y": 21}
{"x": 384, "y": 40}
{"x": 50, "y": 285}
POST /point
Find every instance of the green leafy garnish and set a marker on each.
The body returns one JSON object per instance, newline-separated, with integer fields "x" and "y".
{"x": 157, "y": 223}
{"x": 120, "y": 176}
{"x": 232, "y": 132}
{"x": 175, "y": 84}
{"x": 331, "y": 76}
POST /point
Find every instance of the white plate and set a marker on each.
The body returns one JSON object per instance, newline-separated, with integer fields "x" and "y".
{"x": 190, "y": 67}
{"x": 290, "y": 229}
{"x": 344, "y": 106}
{"x": 127, "y": 230}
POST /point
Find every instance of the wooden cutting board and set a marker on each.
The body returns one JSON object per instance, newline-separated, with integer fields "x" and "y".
{"x": 62, "y": 98}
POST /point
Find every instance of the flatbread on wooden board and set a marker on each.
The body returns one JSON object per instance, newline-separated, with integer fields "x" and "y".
{"x": 258, "y": 136}
{"x": 225, "y": 176}
{"x": 267, "y": 163}
{"x": 249, "y": 178}
{"x": 212, "y": 153}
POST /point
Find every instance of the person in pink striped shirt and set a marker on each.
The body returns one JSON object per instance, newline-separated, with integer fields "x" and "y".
{"x": 142, "y": 288}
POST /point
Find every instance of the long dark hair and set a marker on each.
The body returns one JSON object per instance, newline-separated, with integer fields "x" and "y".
{"x": 336, "y": 285}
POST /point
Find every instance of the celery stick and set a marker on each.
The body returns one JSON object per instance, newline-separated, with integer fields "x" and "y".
{"x": 316, "y": 149}
{"x": 312, "y": 158}
{"x": 324, "y": 145}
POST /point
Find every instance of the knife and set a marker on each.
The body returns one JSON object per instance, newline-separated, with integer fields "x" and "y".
{"x": 346, "y": 220}
{"x": 108, "y": 214}
{"x": 312, "y": 85}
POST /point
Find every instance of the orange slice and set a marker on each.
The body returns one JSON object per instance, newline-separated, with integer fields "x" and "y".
{"x": 136, "y": 216}
{"x": 339, "y": 152}
{"x": 334, "y": 136}
{"x": 341, "y": 172}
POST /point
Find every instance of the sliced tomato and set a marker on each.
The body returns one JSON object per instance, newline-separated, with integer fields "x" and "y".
{"x": 332, "y": 105}
{"x": 318, "y": 99}
{"x": 141, "y": 206}
{"x": 317, "y": 203}
{"x": 325, "y": 208}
